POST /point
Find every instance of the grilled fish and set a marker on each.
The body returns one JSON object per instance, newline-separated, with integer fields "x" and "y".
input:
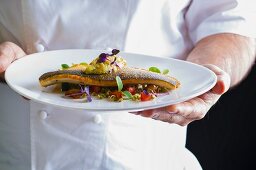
{"x": 128, "y": 75}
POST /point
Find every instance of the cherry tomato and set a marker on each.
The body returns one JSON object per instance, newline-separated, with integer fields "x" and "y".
{"x": 131, "y": 89}
{"x": 145, "y": 96}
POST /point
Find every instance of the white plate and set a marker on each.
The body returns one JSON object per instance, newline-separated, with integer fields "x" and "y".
{"x": 22, "y": 76}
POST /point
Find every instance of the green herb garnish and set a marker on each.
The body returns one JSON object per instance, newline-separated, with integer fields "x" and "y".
{"x": 64, "y": 66}
{"x": 154, "y": 69}
{"x": 127, "y": 94}
{"x": 119, "y": 83}
{"x": 165, "y": 71}
{"x": 157, "y": 70}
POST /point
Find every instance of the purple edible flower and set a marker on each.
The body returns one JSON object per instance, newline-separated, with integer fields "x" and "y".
{"x": 87, "y": 91}
{"x": 145, "y": 92}
{"x": 84, "y": 90}
{"x": 103, "y": 57}
{"x": 115, "y": 52}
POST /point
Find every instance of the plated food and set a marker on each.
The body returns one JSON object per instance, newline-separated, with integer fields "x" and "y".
{"x": 108, "y": 76}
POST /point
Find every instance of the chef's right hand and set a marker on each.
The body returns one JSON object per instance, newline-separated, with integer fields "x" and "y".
{"x": 9, "y": 52}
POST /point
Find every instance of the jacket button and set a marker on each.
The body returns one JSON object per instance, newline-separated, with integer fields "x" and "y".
{"x": 40, "y": 47}
{"x": 43, "y": 114}
{"x": 97, "y": 119}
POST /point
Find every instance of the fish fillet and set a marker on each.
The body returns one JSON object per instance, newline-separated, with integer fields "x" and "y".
{"x": 128, "y": 75}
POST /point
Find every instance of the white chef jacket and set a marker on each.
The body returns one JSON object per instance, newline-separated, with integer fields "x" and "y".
{"x": 42, "y": 137}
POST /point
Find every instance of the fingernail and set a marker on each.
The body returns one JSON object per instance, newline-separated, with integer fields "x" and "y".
{"x": 172, "y": 112}
{"x": 172, "y": 109}
{"x": 156, "y": 116}
{"x": 145, "y": 113}
{"x": 135, "y": 113}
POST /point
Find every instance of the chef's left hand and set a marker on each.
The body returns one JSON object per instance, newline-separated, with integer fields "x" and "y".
{"x": 9, "y": 52}
{"x": 193, "y": 109}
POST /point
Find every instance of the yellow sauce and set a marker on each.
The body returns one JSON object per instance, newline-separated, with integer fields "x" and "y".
{"x": 112, "y": 64}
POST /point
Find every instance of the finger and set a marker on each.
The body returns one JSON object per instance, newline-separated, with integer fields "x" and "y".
{"x": 223, "y": 79}
{"x": 222, "y": 85}
{"x": 172, "y": 118}
{"x": 11, "y": 49}
{"x": 162, "y": 114}
{"x": 8, "y": 53}
{"x": 209, "y": 98}
{"x": 25, "y": 98}
{"x": 2, "y": 78}
{"x": 194, "y": 109}
{"x": 146, "y": 113}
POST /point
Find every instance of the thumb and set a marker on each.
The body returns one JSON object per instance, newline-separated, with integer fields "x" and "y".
{"x": 223, "y": 79}
{"x": 8, "y": 53}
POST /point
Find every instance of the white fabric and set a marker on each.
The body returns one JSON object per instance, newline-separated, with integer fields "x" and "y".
{"x": 65, "y": 139}
{"x": 68, "y": 139}
{"x": 14, "y": 130}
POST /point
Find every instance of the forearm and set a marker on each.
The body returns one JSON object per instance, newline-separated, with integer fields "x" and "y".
{"x": 233, "y": 53}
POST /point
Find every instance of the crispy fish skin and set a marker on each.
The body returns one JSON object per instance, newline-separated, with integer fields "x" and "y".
{"x": 128, "y": 75}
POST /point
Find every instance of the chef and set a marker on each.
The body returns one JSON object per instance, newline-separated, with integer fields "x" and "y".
{"x": 217, "y": 34}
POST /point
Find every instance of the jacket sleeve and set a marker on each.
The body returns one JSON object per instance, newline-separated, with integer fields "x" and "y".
{"x": 208, "y": 17}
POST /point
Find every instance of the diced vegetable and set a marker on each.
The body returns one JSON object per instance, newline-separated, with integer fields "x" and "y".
{"x": 95, "y": 89}
{"x": 145, "y": 96}
{"x": 131, "y": 89}
{"x": 117, "y": 94}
